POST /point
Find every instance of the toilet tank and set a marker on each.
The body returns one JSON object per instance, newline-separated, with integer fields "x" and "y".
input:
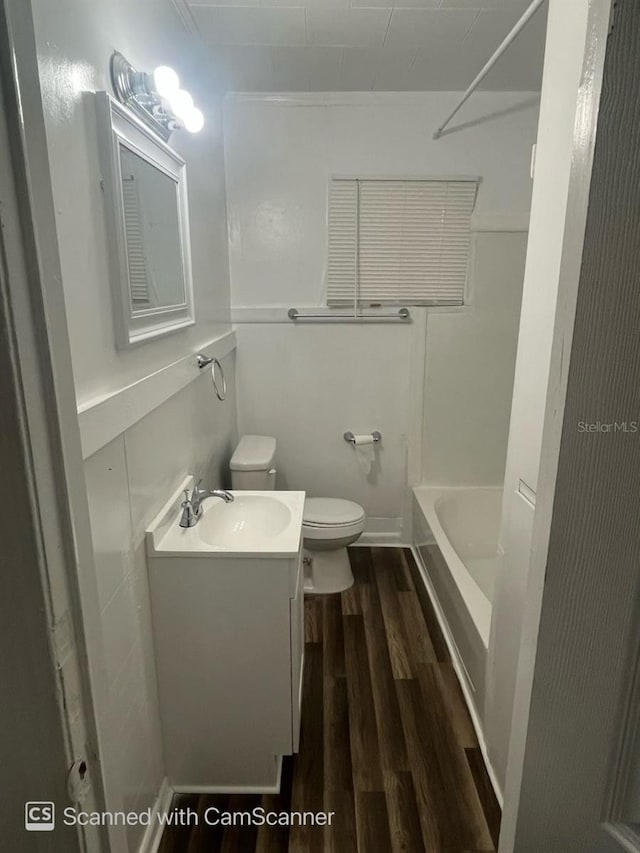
{"x": 252, "y": 463}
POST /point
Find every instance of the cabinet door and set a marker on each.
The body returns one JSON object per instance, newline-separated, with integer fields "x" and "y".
{"x": 296, "y": 606}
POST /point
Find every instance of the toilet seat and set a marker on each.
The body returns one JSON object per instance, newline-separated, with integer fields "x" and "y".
{"x": 331, "y": 511}
{"x": 332, "y": 518}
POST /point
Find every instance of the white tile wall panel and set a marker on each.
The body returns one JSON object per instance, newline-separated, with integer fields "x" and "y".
{"x": 127, "y": 482}
{"x": 108, "y": 492}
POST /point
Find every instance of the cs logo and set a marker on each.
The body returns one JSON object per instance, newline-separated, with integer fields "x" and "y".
{"x": 39, "y": 816}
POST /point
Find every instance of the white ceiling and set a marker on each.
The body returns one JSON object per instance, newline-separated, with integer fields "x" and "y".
{"x": 361, "y": 45}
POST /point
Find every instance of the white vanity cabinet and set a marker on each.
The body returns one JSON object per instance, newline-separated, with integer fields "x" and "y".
{"x": 228, "y": 632}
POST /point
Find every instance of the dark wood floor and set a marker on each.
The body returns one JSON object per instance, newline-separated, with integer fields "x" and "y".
{"x": 386, "y": 743}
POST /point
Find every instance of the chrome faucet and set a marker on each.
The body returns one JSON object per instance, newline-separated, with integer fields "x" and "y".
{"x": 192, "y": 505}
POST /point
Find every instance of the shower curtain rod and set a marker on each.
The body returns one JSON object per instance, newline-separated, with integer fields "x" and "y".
{"x": 524, "y": 20}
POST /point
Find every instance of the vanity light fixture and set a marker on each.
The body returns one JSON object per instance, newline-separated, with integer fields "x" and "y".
{"x": 155, "y": 98}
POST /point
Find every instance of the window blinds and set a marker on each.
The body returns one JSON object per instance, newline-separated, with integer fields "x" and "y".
{"x": 399, "y": 242}
{"x": 138, "y": 278}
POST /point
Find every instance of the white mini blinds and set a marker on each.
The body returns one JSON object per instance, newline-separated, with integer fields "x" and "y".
{"x": 138, "y": 276}
{"x": 399, "y": 242}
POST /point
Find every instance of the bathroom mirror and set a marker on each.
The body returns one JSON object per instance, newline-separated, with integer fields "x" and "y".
{"x": 145, "y": 192}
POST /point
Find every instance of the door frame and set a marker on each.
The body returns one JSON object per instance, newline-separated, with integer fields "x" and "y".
{"x": 45, "y": 517}
{"x": 581, "y": 629}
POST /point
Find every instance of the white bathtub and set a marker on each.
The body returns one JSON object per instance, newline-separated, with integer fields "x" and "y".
{"x": 456, "y": 532}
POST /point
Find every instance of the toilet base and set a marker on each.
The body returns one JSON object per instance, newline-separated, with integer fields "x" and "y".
{"x": 327, "y": 572}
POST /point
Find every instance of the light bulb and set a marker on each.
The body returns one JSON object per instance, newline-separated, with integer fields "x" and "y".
{"x": 181, "y": 103}
{"x": 165, "y": 81}
{"x": 193, "y": 120}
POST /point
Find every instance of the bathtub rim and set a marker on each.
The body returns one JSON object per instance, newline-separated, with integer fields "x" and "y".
{"x": 476, "y": 602}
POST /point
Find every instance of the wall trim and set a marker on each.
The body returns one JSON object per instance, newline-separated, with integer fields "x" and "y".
{"x": 382, "y": 531}
{"x": 314, "y": 99}
{"x": 104, "y": 418}
{"x": 415, "y": 438}
{"x": 460, "y": 672}
{"x": 153, "y": 833}
{"x": 508, "y": 222}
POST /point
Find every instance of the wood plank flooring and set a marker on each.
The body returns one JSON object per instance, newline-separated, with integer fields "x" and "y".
{"x": 386, "y": 741}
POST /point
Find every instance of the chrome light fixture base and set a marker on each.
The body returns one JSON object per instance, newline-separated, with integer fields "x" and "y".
{"x": 132, "y": 89}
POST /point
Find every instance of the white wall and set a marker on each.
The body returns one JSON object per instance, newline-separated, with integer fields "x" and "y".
{"x": 306, "y": 385}
{"x": 76, "y": 40}
{"x": 563, "y": 64}
{"x": 280, "y": 153}
{"x": 128, "y": 481}
{"x": 470, "y": 361}
{"x": 129, "y": 478}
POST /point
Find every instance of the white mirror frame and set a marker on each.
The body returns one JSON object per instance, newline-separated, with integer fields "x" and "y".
{"x": 117, "y": 127}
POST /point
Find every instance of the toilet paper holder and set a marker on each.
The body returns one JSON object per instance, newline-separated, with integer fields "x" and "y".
{"x": 350, "y": 437}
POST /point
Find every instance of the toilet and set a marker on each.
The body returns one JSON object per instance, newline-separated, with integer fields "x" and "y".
{"x": 329, "y": 524}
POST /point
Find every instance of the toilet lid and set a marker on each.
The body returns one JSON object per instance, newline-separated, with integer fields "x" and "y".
{"x": 331, "y": 512}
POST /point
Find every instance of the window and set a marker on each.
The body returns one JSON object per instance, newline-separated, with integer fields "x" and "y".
{"x": 134, "y": 237}
{"x": 398, "y": 242}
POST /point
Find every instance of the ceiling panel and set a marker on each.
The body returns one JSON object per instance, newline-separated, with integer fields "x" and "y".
{"x": 428, "y": 28}
{"x": 242, "y": 68}
{"x": 404, "y": 4}
{"x": 363, "y": 45}
{"x": 517, "y": 6}
{"x": 376, "y": 68}
{"x": 197, "y": 3}
{"x": 250, "y": 25}
{"x": 311, "y": 4}
{"x": 430, "y": 73}
{"x": 393, "y": 69}
{"x": 314, "y": 69}
{"x": 347, "y": 28}
{"x": 521, "y": 65}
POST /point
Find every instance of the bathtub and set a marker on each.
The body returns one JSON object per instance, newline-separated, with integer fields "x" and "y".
{"x": 456, "y": 534}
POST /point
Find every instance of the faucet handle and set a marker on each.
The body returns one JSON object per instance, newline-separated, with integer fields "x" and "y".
{"x": 186, "y": 498}
{"x": 196, "y": 490}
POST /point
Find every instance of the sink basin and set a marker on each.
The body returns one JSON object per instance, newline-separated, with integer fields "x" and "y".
{"x": 254, "y": 524}
{"x": 251, "y": 517}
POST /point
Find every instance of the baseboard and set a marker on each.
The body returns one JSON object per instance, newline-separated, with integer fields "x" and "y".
{"x": 460, "y": 672}
{"x": 377, "y": 538}
{"x": 382, "y": 531}
{"x": 234, "y": 789}
{"x": 153, "y": 833}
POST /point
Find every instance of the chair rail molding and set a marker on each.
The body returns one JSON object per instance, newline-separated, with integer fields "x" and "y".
{"x": 103, "y": 418}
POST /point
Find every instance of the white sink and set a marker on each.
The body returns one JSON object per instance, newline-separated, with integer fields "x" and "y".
{"x": 249, "y": 518}
{"x": 253, "y": 524}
